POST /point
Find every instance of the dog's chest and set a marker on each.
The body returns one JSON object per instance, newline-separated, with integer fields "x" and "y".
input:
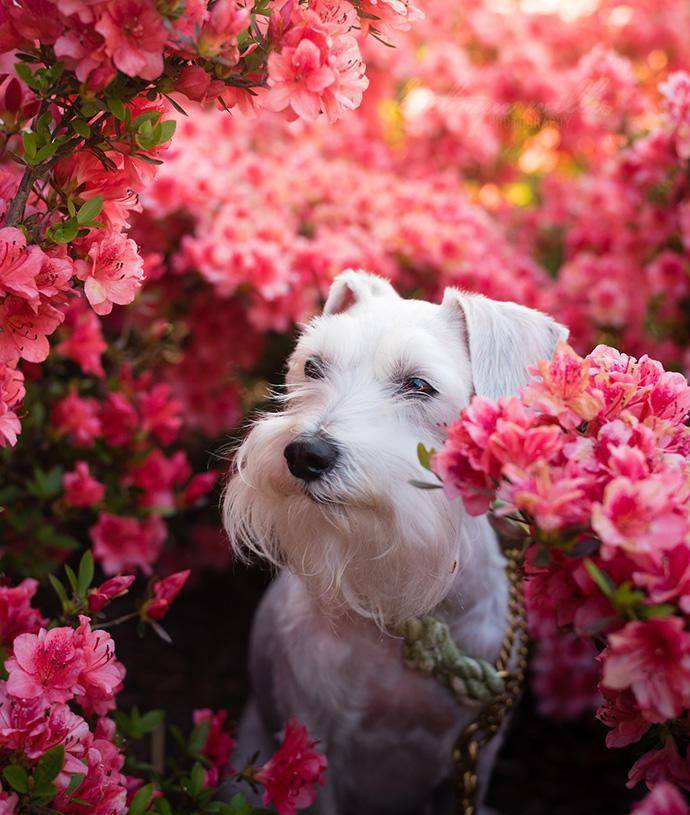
{"x": 387, "y": 726}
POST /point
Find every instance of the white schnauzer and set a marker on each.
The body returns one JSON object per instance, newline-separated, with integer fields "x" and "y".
{"x": 323, "y": 489}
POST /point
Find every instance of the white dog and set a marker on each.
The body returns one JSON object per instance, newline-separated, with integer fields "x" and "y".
{"x": 322, "y": 488}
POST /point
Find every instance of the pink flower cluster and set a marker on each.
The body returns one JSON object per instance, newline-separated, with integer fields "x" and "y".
{"x": 62, "y": 683}
{"x": 47, "y": 671}
{"x": 137, "y": 419}
{"x": 594, "y": 457}
{"x": 291, "y": 775}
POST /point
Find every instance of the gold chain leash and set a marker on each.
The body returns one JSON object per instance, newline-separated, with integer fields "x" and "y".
{"x": 479, "y": 732}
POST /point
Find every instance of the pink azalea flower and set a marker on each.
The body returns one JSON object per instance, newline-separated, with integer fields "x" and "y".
{"x": 77, "y": 417}
{"x": 104, "y": 788}
{"x": 389, "y": 16}
{"x": 84, "y": 343}
{"x": 199, "y": 485}
{"x": 290, "y": 776}
{"x": 121, "y": 544}
{"x": 676, "y": 90}
{"x": 218, "y": 746}
{"x": 661, "y": 766}
{"x": 81, "y": 489}
{"x": 11, "y": 394}
{"x": 8, "y": 802}
{"x": 464, "y": 463}
{"x": 44, "y": 665}
{"x": 318, "y": 68}
{"x": 19, "y": 264}
{"x": 564, "y": 390}
{"x": 55, "y": 275}
{"x": 24, "y": 330}
{"x": 652, "y": 658}
{"x": 553, "y": 497}
{"x": 101, "y": 674}
{"x": 164, "y": 592}
{"x": 119, "y": 419}
{"x": 664, "y": 799}
{"x": 17, "y": 615}
{"x": 622, "y": 714}
{"x": 113, "y": 272}
{"x": 641, "y": 516}
{"x": 516, "y": 439}
{"x": 218, "y": 35}
{"x": 158, "y": 476}
{"x": 58, "y": 725}
{"x": 115, "y": 587}
{"x": 161, "y": 414}
{"x": 196, "y": 84}
{"x": 666, "y": 577}
{"x": 134, "y": 37}
{"x": 83, "y": 50}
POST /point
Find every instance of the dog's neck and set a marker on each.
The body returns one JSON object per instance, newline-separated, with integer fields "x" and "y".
{"x": 475, "y": 606}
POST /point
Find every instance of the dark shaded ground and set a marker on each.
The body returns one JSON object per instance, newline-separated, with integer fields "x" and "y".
{"x": 545, "y": 768}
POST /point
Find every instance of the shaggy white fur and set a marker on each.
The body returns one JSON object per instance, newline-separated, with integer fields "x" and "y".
{"x": 361, "y": 548}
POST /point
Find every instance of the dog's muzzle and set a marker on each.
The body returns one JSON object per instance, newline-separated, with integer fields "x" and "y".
{"x": 310, "y": 457}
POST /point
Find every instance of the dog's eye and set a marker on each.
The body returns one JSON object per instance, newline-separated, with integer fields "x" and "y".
{"x": 313, "y": 368}
{"x": 416, "y": 386}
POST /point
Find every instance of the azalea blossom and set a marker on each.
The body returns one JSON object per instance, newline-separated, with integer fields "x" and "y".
{"x": 651, "y": 658}
{"x": 112, "y": 588}
{"x": 291, "y": 775}
{"x": 81, "y": 489}
{"x": 45, "y": 665}
{"x": 664, "y": 799}
{"x": 164, "y": 592}
{"x": 112, "y": 273}
{"x": 134, "y": 36}
{"x": 121, "y": 543}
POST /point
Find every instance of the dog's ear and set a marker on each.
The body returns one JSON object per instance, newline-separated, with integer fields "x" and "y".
{"x": 503, "y": 340}
{"x": 353, "y": 286}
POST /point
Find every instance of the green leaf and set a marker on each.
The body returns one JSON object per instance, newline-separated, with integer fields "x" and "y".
{"x": 82, "y": 128}
{"x": 75, "y": 782}
{"x": 151, "y": 720}
{"x": 238, "y": 805}
{"x": 71, "y": 576}
{"x": 16, "y": 777}
{"x": 90, "y": 210}
{"x": 117, "y": 108}
{"x": 198, "y": 736}
{"x": 24, "y": 72}
{"x": 654, "y": 612}
{"x": 196, "y": 780}
{"x": 148, "y": 116}
{"x": 140, "y": 802}
{"x": 162, "y": 806}
{"x": 59, "y": 589}
{"x": 30, "y": 141}
{"x": 167, "y": 130}
{"x": 86, "y": 570}
{"x": 50, "y": 765}
{"x": 63, "y": 232}
{"x": 425, "y": 455}
{"x": 603, "y": 581}
{"x": 46, "y": 152}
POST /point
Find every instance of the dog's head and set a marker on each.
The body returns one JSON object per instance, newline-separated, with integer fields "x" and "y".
{"x": 323, "y": 486}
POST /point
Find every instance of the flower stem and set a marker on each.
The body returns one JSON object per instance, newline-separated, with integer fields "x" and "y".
{"x": 15, "y": 214}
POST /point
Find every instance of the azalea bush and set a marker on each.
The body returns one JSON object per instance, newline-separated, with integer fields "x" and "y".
{"x": 63, "y": 752}
{"x": 180, "y": 180}
{"x": 591, "y": 461}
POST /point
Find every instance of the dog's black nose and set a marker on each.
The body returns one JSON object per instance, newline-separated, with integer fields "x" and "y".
{"x": 310, "y": 458}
